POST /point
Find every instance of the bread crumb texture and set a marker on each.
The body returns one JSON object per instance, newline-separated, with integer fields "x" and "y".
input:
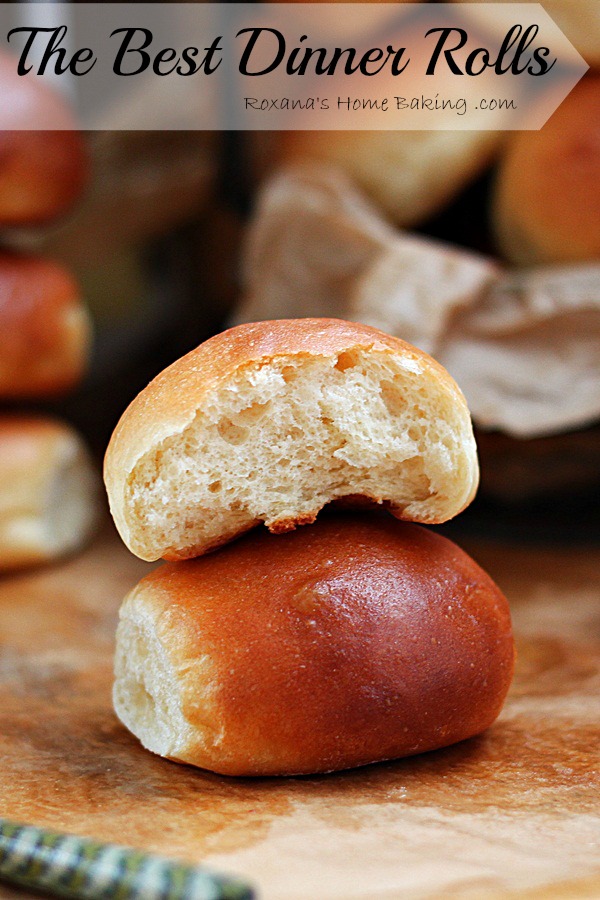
{"x": 285, "y": 436}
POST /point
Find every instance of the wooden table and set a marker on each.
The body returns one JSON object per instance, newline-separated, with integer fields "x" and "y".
{"x": 515, "y": 812}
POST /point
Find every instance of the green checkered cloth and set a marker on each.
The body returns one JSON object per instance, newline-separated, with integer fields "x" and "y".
{"x": 67, "y": 866}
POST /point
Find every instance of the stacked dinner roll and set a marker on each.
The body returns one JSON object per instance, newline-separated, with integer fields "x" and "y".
{"x": 48, "y": 488}
{"x": 352, "y": 639}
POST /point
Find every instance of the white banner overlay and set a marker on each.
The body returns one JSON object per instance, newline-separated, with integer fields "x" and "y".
{"x": 297, "y": 66}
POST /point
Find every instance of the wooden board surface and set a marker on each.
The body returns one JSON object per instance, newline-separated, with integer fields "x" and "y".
{"x": 515, "y": 812}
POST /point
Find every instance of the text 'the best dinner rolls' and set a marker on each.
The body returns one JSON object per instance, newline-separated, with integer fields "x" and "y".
{"x": 270, "y": 421}
{"x": 49, "y": 491}
{"x": 356, "y": 640}
{"x": 44, "y": 328}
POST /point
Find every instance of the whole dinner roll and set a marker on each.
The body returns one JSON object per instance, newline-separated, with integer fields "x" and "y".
{"x": 410, "y": 175}
{"x": 270, "y": 421}
{"x": 44, "y": 328}
{"x": 49, "y": 498}
{"x": 547, "y": 199}
{"x": 357, "y": 640}
{"x": 43, "y": 171}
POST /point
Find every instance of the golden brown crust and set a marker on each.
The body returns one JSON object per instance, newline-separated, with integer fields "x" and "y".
{"x": 374, "y": 159}
{"x": 44, "y": 329}
{"x": 41, "y": 175}
{"x": 547, "y": 201}
{"x": 356, "y": 640}
{"x": 171, "y": 401}
{"x": 41, "y": 172}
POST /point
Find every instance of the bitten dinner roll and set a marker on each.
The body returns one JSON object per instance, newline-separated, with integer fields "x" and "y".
{"x": 356, "y": 640}
{"x": 547, "y": 198}
{"x": 44, "y": 328}
{"x": 48, "y": 491}
{"x": 42, "y": 172}
{"x": 270, "y": 421}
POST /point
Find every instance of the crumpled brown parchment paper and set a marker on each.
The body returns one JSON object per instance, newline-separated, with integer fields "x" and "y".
{"x": 524, "y": 346}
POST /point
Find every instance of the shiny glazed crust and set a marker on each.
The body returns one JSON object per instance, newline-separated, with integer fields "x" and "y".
{"x": 191, "y": 394}
{"x": 356, "y": 640}
{"x": 44, "y": 328}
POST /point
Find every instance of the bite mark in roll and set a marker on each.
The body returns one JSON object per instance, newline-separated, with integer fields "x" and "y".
{"x": 270, "y": 421}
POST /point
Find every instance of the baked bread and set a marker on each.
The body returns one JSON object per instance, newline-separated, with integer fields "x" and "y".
{"x": 356, "y": 640}
{"x": 270, "y": 421}
{"x": 410, "y": 175}
{"x": 48, "y": 491}
{"x": 44, "y": 328}
{"x": 546, "y": 206}
{"x": 41, "y": 172}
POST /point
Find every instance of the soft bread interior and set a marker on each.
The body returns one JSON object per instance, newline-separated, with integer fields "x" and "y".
{"x": 149, "y": 693}
{"x": 286, "y": 436}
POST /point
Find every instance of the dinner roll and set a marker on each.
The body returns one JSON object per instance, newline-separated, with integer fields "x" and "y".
{"x": 410, "y": 175}
{"x": 270, "y": 421}
{"x": 48, "y": 491}
{"x": 356, "y": 640}
{"x": 547, "y": 199}
{"x": 43, "y": 171}
{"x": 44, "y": 328}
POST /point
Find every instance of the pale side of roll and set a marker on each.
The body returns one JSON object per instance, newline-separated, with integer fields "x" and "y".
{"x": 270, "y": 421}
{"x": 353, "y": 641}
{"x": 409, "y": 175}
{"x": 49, "y": 498}
{"x": 528, "y": 354}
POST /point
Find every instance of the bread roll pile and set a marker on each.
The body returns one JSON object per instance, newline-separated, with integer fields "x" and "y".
{"x": 48, "y": 490}
{"x": 353, "y": 639}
